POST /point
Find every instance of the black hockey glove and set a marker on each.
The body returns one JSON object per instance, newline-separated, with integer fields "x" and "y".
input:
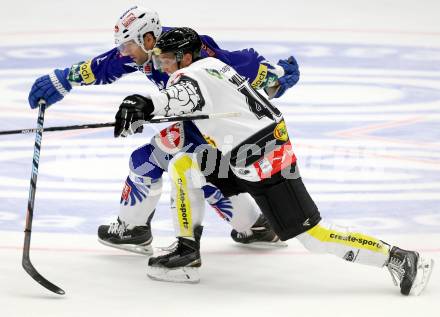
{"x": 132, "y": 113}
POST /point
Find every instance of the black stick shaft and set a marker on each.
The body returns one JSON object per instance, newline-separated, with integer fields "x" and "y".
{"x": 26, "y": 262}
{"x": 112, "y": 124}
{"x": 34, "y": 174}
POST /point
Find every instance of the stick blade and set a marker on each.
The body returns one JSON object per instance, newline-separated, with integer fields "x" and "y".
{"x": 29, "y": 268}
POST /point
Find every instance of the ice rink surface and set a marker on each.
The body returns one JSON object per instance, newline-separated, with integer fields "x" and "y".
{"x": 364, "y": 119}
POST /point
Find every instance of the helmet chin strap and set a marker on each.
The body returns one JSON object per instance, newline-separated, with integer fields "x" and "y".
{"x": 141, "y": 43}
{"x": 148, "y": 52}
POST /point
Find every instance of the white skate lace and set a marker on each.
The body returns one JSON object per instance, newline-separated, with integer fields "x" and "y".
{"x": 117, "y": 228}
{"x": 395, "y": 267}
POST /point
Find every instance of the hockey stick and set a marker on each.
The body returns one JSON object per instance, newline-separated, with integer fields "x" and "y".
{"x": 112, "y": 124}
{"x": 26, "y": 262}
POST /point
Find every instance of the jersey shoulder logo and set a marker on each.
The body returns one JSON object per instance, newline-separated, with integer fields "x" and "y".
{"x": 214, "y": 73}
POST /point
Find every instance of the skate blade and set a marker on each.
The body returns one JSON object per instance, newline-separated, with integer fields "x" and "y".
{"x": 264, "y": 245}
{"x": 424, "y": 271}
{"x": 188, "y": 275}
{"x": 138, "y": 249}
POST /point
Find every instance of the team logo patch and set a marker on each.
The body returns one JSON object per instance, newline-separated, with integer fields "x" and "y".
{"x": 171, "y": 139}
{"x": 243, "y": 171}
{"x": 275, "y": 161}
{"x": 87, "y": 73}
{"x": 215, "y": 73}
{"x": 349, "y": 256}
{"x": 133, "y": 194}
{"x": 74, "y": 74}
{"x": 126, "y": 192}
{"x": 147, "y": 69}
{"x": 265, "y": 165}
{"x": 116, "y": 29}
{"x": 260, "y": 78}
{"x": 280, "y": 131}
{"x": 128, "y": 20}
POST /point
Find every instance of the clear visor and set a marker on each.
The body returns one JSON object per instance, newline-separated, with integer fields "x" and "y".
{"x": 165, "y": 62}
{"x": 127, "y": 47}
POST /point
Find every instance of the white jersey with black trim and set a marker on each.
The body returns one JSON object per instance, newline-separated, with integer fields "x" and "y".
{"x": 211, "y": 86}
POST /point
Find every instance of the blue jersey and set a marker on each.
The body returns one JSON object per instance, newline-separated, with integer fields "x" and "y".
{"x": 110, "y": 66}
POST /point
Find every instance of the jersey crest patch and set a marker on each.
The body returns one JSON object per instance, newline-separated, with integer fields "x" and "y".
{"x": 81, "y": 74}
{"x": 87, "y": 73}
{"x": 215, "y": 73}
{"x": 184, "y": 97}
{"x": 171, "y": 139}
{"x": 129, "y": 20}
{"x": 147, "y": 69}
{"x": 126, "y": 192}
{"x": 260, "y": 78}
{"x": 280, "y": 131}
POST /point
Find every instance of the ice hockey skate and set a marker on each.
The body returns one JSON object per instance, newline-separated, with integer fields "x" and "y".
{"x": 410, "y": 270}
{"x": 260, "y": 235}
{"x": 181, "y": 265}
{"x": 136, "y": 239}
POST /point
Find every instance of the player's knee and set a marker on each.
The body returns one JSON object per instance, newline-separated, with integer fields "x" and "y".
{"x": 143, "y": 163}
{"x": 181, "y": 162}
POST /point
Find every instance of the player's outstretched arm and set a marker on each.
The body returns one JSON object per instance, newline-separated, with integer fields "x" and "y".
{"x": 275, "y": 79}
{"x": 103, "y": 69}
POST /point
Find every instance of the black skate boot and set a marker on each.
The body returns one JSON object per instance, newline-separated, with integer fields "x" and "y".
{"x": 181, "y": 264}
{"x": 119, "y": 235}
{"x": 410, "y": 270}
{"x": 260, "y": 235}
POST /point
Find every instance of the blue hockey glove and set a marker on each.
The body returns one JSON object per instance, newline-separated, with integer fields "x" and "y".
{"x": 291, "y": 75}
{"x": 52, "y": 88}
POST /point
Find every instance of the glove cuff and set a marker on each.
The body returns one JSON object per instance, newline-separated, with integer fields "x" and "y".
{"x": 277, "y": 70}
{"x": 58, "y": 84}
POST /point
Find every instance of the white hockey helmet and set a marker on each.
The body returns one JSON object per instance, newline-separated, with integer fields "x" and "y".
{"x": 134, "y": 23}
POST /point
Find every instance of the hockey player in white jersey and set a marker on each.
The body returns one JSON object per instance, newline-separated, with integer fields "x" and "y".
{"x": 259, "y": 160}
{"x": 135, "y": 34}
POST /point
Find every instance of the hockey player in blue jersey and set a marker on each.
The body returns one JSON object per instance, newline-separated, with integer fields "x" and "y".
{"x": 135, "y": 34}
